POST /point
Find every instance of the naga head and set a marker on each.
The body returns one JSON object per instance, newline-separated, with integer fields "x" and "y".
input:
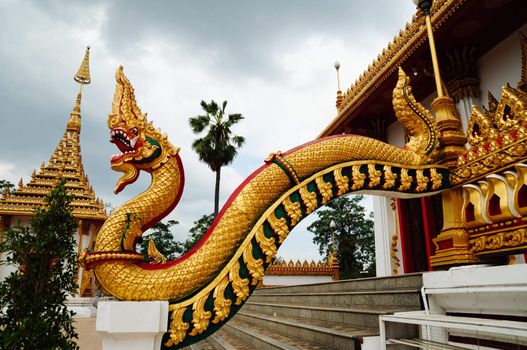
{"x": 142, "y": 146}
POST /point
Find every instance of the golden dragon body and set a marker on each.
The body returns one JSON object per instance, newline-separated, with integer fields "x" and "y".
{"x": 207, "y": 285}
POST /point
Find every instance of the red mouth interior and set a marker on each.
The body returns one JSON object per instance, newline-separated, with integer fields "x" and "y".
{"x": 123, "y": 141}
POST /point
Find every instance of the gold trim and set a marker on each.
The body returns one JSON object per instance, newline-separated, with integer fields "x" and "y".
{"x": 255, "y": 266}
{"x": 374, "y": 176}
{"x": 279, "y": 226}
{"x": 239, "y": 285}
{"x": 201, "y": 318}
{"x": 177, "y": 328}
{"x": 508, "y": 241}
{"x": 222, "y": 305}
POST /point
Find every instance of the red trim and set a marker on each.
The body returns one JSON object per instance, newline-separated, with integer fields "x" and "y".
{"x": 429, "y": 228}
{"x": 406, "y": 249}
{"x": 494, "y": 205}
{"x": 446, "y": 244}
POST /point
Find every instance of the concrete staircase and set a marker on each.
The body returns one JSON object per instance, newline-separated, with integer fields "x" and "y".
{"x": 335, "y": 315}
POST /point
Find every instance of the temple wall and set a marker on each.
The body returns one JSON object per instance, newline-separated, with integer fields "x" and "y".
{"x": 5, "y": 270}
{"x": 294, "y": 280}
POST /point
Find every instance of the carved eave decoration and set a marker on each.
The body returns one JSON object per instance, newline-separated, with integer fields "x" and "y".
{"x": 498, "y": 140}
{"x": 495, "y": 212}
{"x": 403, "y": 45}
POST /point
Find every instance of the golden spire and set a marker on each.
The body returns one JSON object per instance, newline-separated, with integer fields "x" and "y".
{"x": 83, "y": 74}
{"x": 74, "y": 123}
{"x": 65, "y": 161}
{"x": 83, "y": 78}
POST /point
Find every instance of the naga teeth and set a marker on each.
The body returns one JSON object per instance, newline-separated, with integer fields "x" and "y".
{"x": 134, "y": 141}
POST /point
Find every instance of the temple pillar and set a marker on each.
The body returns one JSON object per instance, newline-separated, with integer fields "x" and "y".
{"x": 335, "y": 266}
{"x": 462, "y": 80}
{"x": 452, "y": 245}
{"x": 384, "y": 229}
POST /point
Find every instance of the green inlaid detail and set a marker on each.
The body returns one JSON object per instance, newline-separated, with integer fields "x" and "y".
{"x": 256, "y": 250}
{"x": 129, "y": 217}
{"x": 286, "y": 171}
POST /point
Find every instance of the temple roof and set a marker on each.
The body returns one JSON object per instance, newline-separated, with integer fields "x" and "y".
{"x": 65, "y": 161}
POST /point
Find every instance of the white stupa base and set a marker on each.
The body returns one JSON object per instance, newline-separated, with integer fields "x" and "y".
{"x": 132, "y": 325}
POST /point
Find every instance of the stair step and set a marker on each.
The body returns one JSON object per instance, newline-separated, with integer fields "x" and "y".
{"x": 405, "y": 298}
{"x": 363, "y": 317}
{"x": 371, "y": 310}
{"x": 329, "y": 334}
{"x": 220, "y": 340}
{"x": 263, "y": 339}
{"x": 407, "y": 281}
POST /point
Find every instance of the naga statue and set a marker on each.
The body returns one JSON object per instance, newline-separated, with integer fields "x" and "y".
{"x": 209, "y": 284}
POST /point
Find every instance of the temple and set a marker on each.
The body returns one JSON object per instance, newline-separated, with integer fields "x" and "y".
{"x": 480, "y": 49}
{"x": 65, "y": 162}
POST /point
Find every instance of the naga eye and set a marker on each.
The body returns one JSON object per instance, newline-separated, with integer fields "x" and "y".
{"x": 133, "y": 131}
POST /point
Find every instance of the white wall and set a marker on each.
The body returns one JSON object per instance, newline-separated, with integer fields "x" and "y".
{"x": 384, "y": 223}
{"x": 500, "y": 66}
{"x": 294, "y": 280}
{"x": 5, "y": 270}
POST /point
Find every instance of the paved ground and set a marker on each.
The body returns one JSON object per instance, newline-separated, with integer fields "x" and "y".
{"x": 89, "y": 339}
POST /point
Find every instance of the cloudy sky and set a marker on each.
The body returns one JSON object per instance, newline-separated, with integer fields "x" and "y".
{"x": 272, "y": 60}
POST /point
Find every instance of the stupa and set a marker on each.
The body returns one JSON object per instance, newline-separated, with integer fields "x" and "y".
{"x": 18, "y": 207}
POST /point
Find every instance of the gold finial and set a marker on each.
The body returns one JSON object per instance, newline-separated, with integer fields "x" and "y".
{"x": 337, "y": 67}
{"x": 339, "y": 93}
{"x": 83, "y": 74}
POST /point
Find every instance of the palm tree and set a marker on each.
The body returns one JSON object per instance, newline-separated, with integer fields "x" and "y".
{"x": 218, "y": 147}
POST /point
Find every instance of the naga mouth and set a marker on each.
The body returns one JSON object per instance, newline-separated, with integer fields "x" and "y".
{"x": 124, "y": 142}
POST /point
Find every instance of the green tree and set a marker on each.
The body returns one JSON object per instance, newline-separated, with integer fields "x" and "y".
{"x": 198, "y": 230}
{"x": 4, "y": 184}
{"x": 218, "y": 147}
{"x": 164, "y": 241}
{"x": 354, "y": 236}
{"x": 33, "y": 314}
